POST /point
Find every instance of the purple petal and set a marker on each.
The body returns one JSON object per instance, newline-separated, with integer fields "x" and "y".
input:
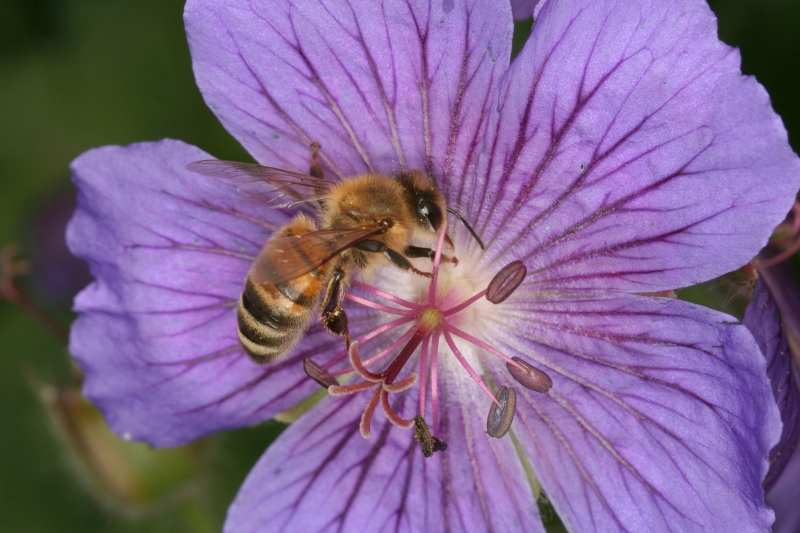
{"x": 523, "y": 9}
{"x": 764, "y": 322}
{"x": 660, "y": 417}
{"x": 156, "y": 333}
{"x": 321, "y": 475}
{"x": 785, "y": 291}
{"x": 381, "y": 85}
{"x": 783, "y": 498}
{"x": 626, "y": 151}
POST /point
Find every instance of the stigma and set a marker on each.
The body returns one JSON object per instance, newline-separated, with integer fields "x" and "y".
{"x": 440, "y": 312}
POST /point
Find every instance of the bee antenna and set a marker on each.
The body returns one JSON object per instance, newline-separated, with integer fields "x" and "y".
{"x": 471, "y": 231}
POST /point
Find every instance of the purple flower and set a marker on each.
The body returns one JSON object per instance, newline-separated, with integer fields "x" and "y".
{"x": 772, "y": 317}
{"x": 621, "y": 153}
{"x": 764, "y": 322}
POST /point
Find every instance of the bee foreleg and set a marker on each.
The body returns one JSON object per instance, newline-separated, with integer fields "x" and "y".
{"x": 396, "y": 258}
{"x": 332, "y": 313}
{"x": 417, "y": 251}
{"x": 403, "y": 264}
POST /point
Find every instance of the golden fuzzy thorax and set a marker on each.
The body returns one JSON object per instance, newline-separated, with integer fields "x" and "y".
{"x": 368, "y": 199}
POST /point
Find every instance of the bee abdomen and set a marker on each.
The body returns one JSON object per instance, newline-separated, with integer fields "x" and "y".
{"x": 270, "y": 322}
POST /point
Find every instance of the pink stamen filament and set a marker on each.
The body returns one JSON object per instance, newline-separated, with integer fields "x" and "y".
{"x": 479, "y": 343}
{"x": 435, "y": 381}
{"x": 404, "y": 355}
{"x": 423, "y": 375}
{"x": 380, "y": 355}
{"x": 383, "y": 353}
{"x": 464, "y": 305}
{"x": 474, "y": 375}
{"x": 379, "y": 307}
{"x": 386, "y": 295}
{"x": 371, "y": 335}
{"x": 437, "y": 260}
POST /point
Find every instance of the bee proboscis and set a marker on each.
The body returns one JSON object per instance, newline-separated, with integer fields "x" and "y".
{"x": 362, "y": 221}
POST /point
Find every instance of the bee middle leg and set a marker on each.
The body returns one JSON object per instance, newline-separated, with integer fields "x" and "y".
{"x": 315, "y": 171}
{"x": 332, "y": 313}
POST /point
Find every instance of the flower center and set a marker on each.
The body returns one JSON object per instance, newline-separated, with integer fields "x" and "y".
{"x": 430, "y": 319}
{"x": 438, "y": 315}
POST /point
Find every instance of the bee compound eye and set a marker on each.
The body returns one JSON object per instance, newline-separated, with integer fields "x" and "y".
{"x": 430, "y": 212}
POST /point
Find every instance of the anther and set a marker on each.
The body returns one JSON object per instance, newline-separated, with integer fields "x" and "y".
{"x": 427, "y": 441}
{"x": 500, "y": 417}
{"x": 315, "y": 372}
{"x": 506, "y": 282}
{"x": 531, "y": 378}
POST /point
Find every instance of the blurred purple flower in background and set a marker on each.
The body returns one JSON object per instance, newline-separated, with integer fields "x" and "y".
{"x": 621, "y": 153}
{"x": 772, "y": 317}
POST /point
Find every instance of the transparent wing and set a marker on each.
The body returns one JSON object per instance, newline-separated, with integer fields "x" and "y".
{"x": 257, "y": 184}
{"x": 286, "y": 258}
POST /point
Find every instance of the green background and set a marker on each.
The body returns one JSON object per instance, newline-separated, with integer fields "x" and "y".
{"x": 75, "y": 74}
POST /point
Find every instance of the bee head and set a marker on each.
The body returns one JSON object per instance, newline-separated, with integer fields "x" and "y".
{"x": 423, "y": 193}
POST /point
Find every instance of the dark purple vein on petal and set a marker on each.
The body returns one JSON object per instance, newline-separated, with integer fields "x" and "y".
{"x": 194, "y": 292}
{"x": 633, "y": 371}
{"x": 402, "y": 509}
{"x": 294, "y": 359}
{"x": 466, "y": 414}
{"x": 388, "y": 107}
{"x": 598, "y": 158}
{"x": 455, "y": 110}
{"x": 587, "y": 478}
{"x": 362, "y": 476}
{"x": 511, "y": 160}
{"x": 609, "y": 250}
{"x": 231, "y": 212}
{"x": 424, "y": 85}
{"x": 559, "y": 136}
{"x": 334, "y": 106}
{"x": 282, "y": 113}
{"x": 465, "y": 82}
{"x": 621, "y": 461}
{"x": 447, "y": 495}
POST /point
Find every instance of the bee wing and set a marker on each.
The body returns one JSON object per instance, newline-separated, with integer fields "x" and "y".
{"x": 257, "y": 184}
{"x": 286, "y": 258}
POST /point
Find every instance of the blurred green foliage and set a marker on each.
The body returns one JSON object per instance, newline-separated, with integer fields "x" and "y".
{"x": 76, "y": 74}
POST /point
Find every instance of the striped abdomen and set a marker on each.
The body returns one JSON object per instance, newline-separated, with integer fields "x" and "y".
{"x": 272, "y": 318}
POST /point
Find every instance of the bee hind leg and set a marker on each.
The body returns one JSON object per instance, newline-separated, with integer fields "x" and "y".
{"x": 332, "y": 314}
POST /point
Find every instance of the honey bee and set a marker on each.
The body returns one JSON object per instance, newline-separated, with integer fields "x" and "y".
{"x": 362, "y": 221}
